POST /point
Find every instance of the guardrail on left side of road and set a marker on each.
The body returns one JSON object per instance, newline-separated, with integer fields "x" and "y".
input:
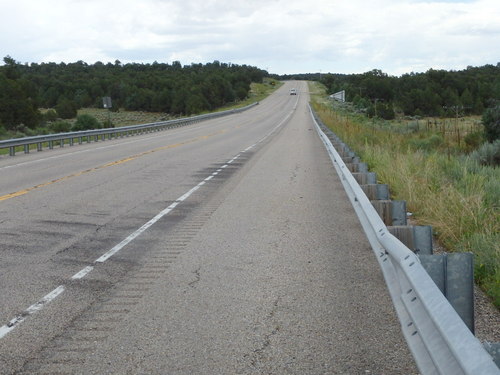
{"x": 109, "y": 133}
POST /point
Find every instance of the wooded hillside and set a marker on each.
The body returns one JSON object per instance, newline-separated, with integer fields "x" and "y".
{"x": 433, "y": 93}
{"x": 158, "y": 87}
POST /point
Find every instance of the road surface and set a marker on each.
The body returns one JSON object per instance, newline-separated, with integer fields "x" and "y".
{"x": 223, "y": 247}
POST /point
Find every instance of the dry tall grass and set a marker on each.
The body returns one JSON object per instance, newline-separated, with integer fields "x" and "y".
{"x": 459, "y": 198}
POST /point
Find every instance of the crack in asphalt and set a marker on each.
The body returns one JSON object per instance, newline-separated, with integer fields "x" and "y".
{"x": 257, "y": 355}
{"x": 198, "y": 277}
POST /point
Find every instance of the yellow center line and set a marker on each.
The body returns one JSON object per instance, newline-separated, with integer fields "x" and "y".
{"x": 113, "y": 163}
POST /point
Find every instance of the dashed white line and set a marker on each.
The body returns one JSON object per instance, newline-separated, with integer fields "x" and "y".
{"x": 137, "y": 233}
{"x": 82, "y": 273}
{"x": 13, "y": 323}
{"x": 30, "y": 310}
{"x": 233, "y": 159}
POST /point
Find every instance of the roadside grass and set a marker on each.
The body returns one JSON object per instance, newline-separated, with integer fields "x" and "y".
{"x": 443, "y": 188}
{"x": 258, "y": 92}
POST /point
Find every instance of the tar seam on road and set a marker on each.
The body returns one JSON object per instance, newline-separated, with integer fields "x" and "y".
{"x": 13, "y": 323}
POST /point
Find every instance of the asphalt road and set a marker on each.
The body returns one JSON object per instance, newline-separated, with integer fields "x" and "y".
{"x": 224, "y": 247}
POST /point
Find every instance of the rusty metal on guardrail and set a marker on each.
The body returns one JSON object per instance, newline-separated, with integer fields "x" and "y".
{"x": 438, "y": 339}
{"x": 89, "y": 135}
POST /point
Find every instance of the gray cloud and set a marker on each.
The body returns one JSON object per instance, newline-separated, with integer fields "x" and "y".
{"x": 396, "y": 36}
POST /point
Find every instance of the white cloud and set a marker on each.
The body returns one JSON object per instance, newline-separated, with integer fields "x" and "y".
{"x": 396, "y": 36}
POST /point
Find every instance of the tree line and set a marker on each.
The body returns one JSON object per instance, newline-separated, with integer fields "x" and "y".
{"x": 157, "y": 87}
{"x": 433, "y": 93}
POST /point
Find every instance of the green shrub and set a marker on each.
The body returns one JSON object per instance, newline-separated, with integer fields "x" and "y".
{"x": 488, "y": 154}
{"x": 413, "y": 127}
{"x": 50, "y": 115}
{"x": 491, "y": 122}
{"x": 19, "y": 134}
{"x": 60, "y": 126}
{"x": 86, "y": 122}
{"x": 108, "y": 124}
{"x": 381, "y": 110}
{"x": 66, "y": 109}
{"x": 492, "y": 191}
{"x": 427, "y": 144}
{"x": 473, "y": 140}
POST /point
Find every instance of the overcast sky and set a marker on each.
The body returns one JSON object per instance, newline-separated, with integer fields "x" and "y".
{"x": 281, "y": 36}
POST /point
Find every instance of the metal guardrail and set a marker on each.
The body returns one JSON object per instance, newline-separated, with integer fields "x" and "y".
{"x": 438, "y": 339}
{"x": 109, "y": 133}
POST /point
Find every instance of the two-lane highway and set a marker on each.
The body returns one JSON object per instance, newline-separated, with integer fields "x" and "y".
{"x": 223, "y": 247}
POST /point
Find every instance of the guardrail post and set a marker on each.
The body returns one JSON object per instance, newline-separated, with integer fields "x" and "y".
{"x": 61, "y": 143}
{"x": 460, "y": 285}
{"x": 12, "y": 151}
{"x": 454, "y": 275}
{"x": 357, "y": 167}
{"x": 365, "y": 178}
{"x": 350, "y": 159}
{"x": 399, "y": 212}
{"x": 39, "y": 146}
{"x": 376, "y": 191}
{"x": 391, "y": 212}
{"x": 344, "y": 152}
{"x": 26, "y": 149}
{"x": 417, "y": 238}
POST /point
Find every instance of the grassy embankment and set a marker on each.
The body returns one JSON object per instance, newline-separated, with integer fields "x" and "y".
{"x": 442, "y": 186}
{"x": 258, "y": 92}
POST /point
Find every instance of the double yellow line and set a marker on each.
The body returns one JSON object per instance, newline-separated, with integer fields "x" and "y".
{"x": 113, "y": 163}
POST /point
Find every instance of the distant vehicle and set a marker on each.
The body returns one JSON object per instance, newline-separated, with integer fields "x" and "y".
{"x": 293, "y": 91}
